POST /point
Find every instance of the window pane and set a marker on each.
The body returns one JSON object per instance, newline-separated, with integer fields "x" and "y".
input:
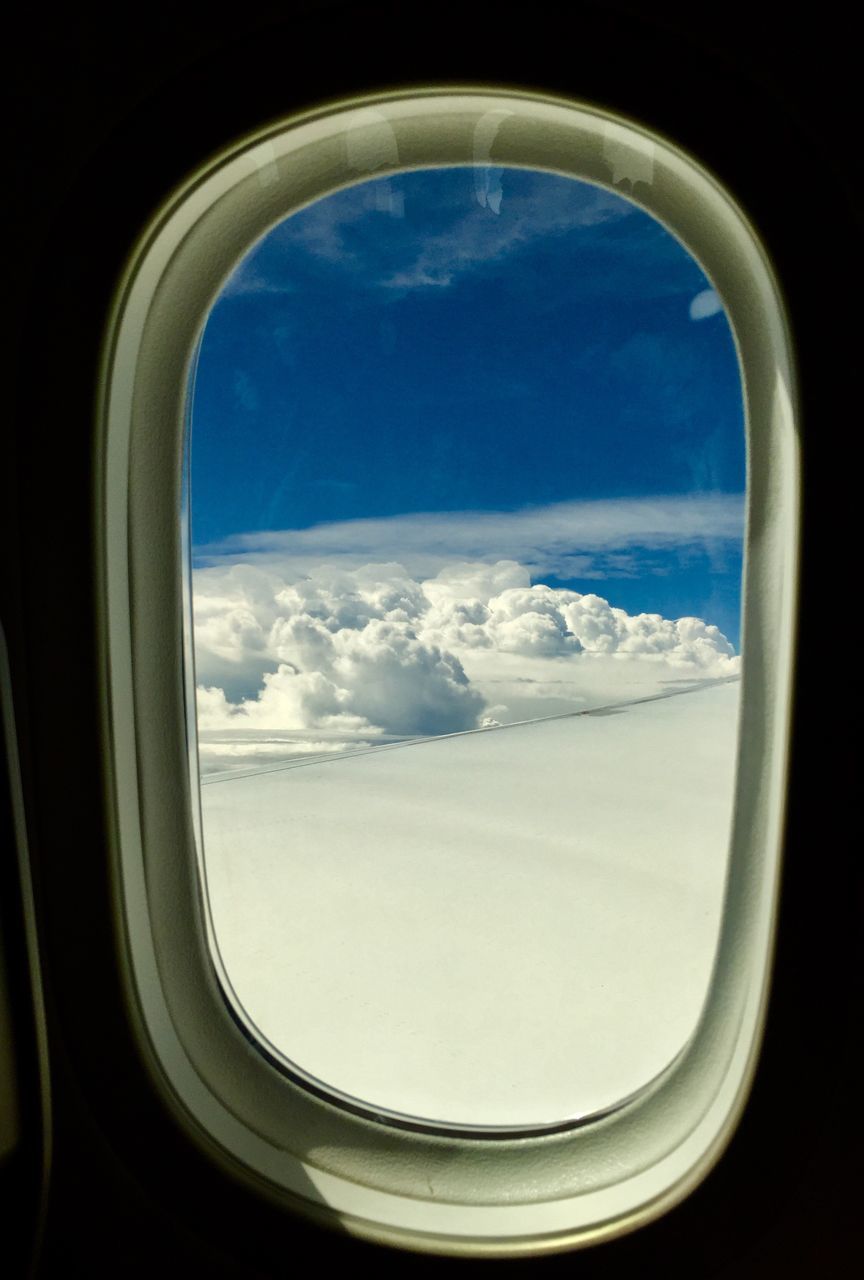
{"x": 467, "y": 501}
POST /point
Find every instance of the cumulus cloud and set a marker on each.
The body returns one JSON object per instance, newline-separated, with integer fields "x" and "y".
{"x": 378, "y": 676}
{"x": 530, "y": 620}
{"x": 473, "y": 580}
{"x": 214, "y": 709}
{"x": 373, "y": 651}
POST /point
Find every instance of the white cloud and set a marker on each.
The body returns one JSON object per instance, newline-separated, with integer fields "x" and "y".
{"x": 373, "y": 651}
{"x": 530, "y": 620}
{"x": 564, "y": 539}
{"x": 475, "y": 238}
{"x": 375, "y": 678}
{"x": 335, "y": 230}
{"x": 470, "y": 580}
{"x": 234, "y": 610}
{"x": 705, "y": 304}
{"x": 214, "y": 709}
{"x": 303, "y": 699}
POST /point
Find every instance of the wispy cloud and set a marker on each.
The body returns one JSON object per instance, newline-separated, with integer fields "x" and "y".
{"x": 247, "y": 279}
{"x": 606, "y": 537}
{"x": 482, "y": 235}
{"x": 479, "y": 223}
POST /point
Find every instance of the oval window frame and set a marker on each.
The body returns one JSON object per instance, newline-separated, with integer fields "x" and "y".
{"x": 431, "y": 1191}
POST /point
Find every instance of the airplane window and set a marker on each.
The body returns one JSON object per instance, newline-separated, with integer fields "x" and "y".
{"x": 448, "y": 679}
{"x": 467, "y": 484}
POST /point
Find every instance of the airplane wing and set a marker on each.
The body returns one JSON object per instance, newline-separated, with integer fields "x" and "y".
{"x": 508, "y": 927}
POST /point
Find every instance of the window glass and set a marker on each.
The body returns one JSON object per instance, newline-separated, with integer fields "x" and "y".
{"x": 467, "y": 477}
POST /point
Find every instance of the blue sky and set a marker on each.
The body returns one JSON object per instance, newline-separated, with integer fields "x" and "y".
{"x": 481, "y": 345}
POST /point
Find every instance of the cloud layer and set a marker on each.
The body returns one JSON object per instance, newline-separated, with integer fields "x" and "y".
{"x": 373, "y": 650}
{"x": 564, "y": 539}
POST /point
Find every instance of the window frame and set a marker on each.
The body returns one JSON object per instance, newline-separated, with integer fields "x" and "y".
{"x": 429, "y": 1191}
